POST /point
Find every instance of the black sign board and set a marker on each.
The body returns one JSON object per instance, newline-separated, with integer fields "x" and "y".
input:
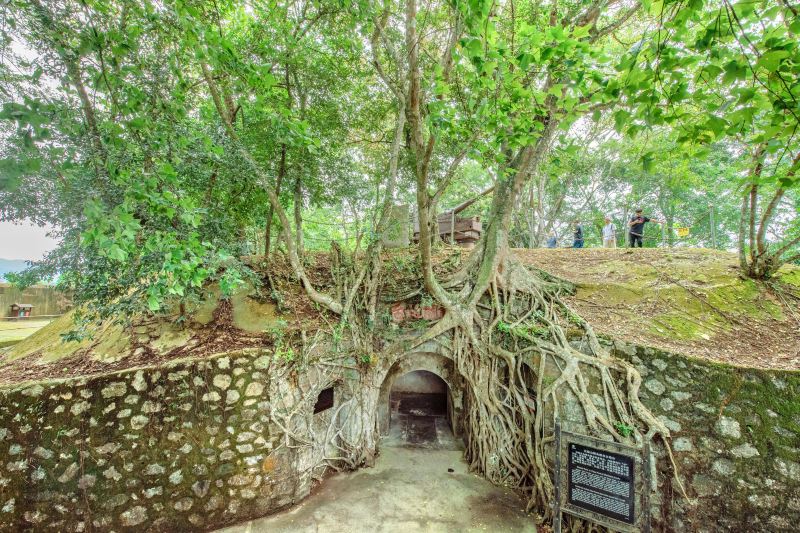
{"x": 605, "y": 482}
{"x": 600, "y": 481}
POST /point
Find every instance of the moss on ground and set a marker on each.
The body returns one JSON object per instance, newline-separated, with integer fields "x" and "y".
{"x": 48, "y": 341}
{"x": 111, "y": 342}
{"x": 203, "y": 312}
{"x": 691, "y": 301}
{"x": 790, "y": 275}
{"x": 13, "y": 331}
{"x": 251, "y": 313}
{"x": 677, "y": 325}
{"x": 672, "y": 299}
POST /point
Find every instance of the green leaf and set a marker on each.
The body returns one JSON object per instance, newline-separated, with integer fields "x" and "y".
{"x": 771, "y": 60}
{"x": 712, "y": 71}
{"x": 117, "y": 253}
{"x": 137, "y": 123}
{"x": 582, "y": 31}
{"x": 647, "y": 161}
{"x": 734, "y": 71}
{"x": 556, "y": 90}
{"x": 621, "y": 118}
{"x": 473, "y": 47}
{"x": 153, "y": 304}
{"x": 717, "y": 125}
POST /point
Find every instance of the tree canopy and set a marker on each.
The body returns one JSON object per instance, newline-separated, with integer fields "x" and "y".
{"x": 165, "y": 141}
{"x": 168, "y": 141}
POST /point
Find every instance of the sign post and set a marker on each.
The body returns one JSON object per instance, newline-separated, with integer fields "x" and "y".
{"x": 557, "y": 484}
{"x": 607, "y": 483}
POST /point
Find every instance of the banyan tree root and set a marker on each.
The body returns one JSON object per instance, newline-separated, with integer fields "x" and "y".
{"x": 345, "y": 437}
{"x": 513, "y": 353}
{"x": 515, "y": 336}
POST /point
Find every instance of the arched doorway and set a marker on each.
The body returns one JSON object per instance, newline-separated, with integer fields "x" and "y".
{"x": 420, "y": 402}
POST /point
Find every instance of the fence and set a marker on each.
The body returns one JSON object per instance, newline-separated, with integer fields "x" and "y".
{"x": 45, "y": 299}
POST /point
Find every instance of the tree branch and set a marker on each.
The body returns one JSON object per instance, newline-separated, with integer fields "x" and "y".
{"x": 614, "y": 26}
{"x": 766, "y": 217}
{"x": 297, "y": 265}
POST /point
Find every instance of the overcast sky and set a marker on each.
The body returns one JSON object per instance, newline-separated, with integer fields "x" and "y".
{"x": 24, "y": 241}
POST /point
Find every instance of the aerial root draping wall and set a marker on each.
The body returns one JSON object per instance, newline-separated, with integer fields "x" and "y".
{"x": 735, "y": 437}
{"x": 196, "y": 444}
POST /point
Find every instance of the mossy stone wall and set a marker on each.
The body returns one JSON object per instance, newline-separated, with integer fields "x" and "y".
{"x": 195, "y": 445}
{"x": 189, "y": 446}
{"x": 735, "y": 437}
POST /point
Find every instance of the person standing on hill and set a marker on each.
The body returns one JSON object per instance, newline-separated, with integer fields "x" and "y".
{"x": 577, "y": 241}
{"x": 609, "y": 234}
{"x": 636, "y": 230}
{"x": 551, "y": 240}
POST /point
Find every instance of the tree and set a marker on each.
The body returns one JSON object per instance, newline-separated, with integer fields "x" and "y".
{"x": 182, "y": 119}
{"x": 730, "y": 72}
{"x": 495, "y": 84}
{"x": 99, "y": 155}
{"x": 126, "y": 155}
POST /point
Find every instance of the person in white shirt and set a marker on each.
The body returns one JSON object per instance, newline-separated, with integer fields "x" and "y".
{"x": 609, "y": 234}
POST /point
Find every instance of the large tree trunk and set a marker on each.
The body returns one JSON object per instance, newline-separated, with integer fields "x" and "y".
{"x": 298, "y": 213}
{"x": 270, "y": 211}
{"x": 742, "y": 244}
{"x": 669, "y": 216}
{"x": 761, "y": 262}
{"x": 495, "y": 246}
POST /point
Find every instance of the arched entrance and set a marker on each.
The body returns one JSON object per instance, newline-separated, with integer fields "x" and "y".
{"x": 420, "y": 401}
{"x": 418, "y": 409}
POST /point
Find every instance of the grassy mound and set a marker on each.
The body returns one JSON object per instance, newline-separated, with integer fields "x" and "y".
{"x": 213, "y": 325}
{"x": 689, "y": 301}
{"x": 13, "y": 331}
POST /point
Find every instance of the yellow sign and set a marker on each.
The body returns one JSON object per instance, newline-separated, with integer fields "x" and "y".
{"x": 682, "y": 232}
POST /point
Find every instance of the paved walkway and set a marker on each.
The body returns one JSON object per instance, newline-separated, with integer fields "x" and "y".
{"x": 413, "y": 487}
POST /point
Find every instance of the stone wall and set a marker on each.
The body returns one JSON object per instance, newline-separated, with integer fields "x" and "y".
{"x": 189, "y": 446}
{"x": 199, "y": 444}
{"x": 735, "y": 438}
{"x": 46, "y": 300}
{"x": 194, "y": 444}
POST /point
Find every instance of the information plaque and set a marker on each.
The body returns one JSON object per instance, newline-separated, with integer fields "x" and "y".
{"x": 604, "y": 482}
{"x": 600, "y": 481}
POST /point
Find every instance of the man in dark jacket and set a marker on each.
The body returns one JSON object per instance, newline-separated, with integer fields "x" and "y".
{"x": 636, "y": 226}
{"x": 577, "y": 241}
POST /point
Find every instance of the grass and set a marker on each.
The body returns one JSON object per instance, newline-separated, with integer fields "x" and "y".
{"x": 13, "y": 331}
{"x": 690, "y": 301}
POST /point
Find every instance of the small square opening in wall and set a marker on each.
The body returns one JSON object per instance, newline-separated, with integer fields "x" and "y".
{"x": 324, "y": 400}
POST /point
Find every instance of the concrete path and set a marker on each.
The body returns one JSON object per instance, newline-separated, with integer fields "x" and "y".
{"x": 414, "y": 486}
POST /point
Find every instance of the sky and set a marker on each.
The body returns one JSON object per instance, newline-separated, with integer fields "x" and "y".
{"x": 24, "y": 241}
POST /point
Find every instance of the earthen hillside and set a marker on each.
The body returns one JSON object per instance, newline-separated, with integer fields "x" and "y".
{"x": 687, "y": 301}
